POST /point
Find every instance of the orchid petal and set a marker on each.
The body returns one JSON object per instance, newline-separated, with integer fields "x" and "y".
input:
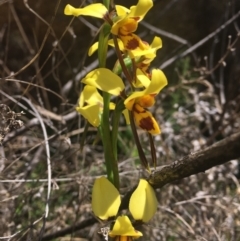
{"x": 141, "y": 9}
{"x": 97, "y": 10}
{"x": 91, "y": 113}
{"x": 121, "y": 10}
{"x": 156, "y": 43}
{"x": 145, "y": 120}
{"x": 93, "y": 49}
{"x": 105, "y": 199}
{"x": 143, "y": 202}
{"x": 157, "y": 83}
{"x": 105, "y": 80}
{"x": 90, "y": 95}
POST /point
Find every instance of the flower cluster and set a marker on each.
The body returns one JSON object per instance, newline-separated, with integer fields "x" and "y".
{"x": 123, "y": 23}
{"x": 106, "y": 201}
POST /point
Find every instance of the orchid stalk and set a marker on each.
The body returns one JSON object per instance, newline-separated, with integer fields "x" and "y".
{"x": 110, "y": 154}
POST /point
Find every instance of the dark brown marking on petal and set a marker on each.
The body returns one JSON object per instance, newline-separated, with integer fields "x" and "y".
{"x": 146, "y": 124}
{"x": 132, "y": 44}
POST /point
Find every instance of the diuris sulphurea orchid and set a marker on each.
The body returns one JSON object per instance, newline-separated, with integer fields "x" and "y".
{"x": 138, "y": 101}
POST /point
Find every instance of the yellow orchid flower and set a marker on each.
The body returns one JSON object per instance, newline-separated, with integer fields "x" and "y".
{"x": 127, "y": 23}
{"x": 91, "y": 105}
{"x": 106, "y": 202}
{"x": 144, "y": 58}
{"x": 139, "y": 100}
{"x": 127, "y": 20}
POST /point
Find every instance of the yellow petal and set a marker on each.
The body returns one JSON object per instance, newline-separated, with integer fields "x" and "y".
{"x": 121, "y": 10}
{"x": 93, "y": 49}
{"x": 143, "y": 202}
{"x": 141, "y": 9}
{"x": 105, "y": 80}
{"x": 105, "y": 199}
{"x": 156, "y": 43}
{"x": 143, "y": 78}
{"x": 93, "y": 109}
{"x": 97, "y": 10}
{"x": 123, "y": 227}
{"x": 90, "y": 95}
{"x": 145, "y": 120}
{"x": 91, "y": 113}
{"x": 158, "y": 81}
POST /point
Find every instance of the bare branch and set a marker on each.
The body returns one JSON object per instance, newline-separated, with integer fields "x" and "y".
{"x": 217, "y": 154}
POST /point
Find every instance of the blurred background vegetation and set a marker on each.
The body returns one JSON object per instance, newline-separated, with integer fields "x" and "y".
{"x": 47, "y": 52}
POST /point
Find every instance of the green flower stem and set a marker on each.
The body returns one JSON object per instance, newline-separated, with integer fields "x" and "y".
{"x": 109, "y": 155}
{"x": 115, "y": 123}
{"x": 103, "y": 44}
{"x": 106, "y": 3}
